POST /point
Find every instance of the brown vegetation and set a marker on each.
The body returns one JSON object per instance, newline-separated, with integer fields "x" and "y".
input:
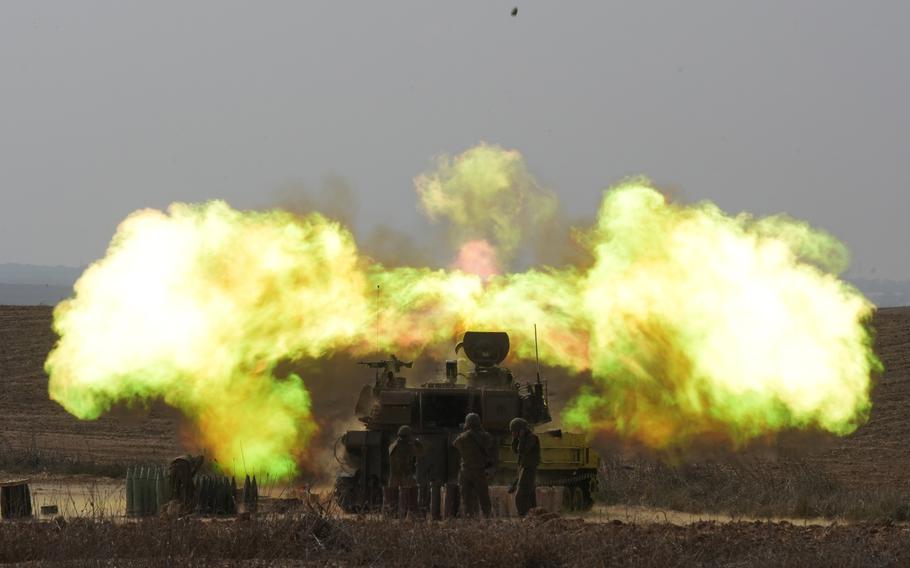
{"x": 753, "y": 488}
{"x": 314, "y": 538}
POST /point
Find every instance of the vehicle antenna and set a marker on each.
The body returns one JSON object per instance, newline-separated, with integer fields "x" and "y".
{"x": 243, "y": 459}
{"x": 536, "y": 354}
{"x": 378, "y": 317}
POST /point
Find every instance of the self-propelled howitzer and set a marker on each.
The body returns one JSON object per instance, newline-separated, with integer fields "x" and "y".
{"x": 436, "y": 410}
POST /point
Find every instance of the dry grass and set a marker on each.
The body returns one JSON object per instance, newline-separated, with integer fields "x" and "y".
{"x": 33, "y": 459}
{"x": 322, "y": 539}
{"x": 756, "y": 489}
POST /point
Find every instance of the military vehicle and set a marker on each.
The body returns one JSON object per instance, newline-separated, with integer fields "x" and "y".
{"x": 436, "y": 411}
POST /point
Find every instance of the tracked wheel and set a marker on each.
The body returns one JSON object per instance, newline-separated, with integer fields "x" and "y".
{"x": 589, "y": 489}
{"x": 567, "y": 498}
{"x": 346, "y": 495}
{"x": 578, "y": 499}
{"x": 593, "y": 488}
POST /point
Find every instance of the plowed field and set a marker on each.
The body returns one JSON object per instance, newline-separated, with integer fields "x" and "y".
{"x": 877, "y": 455}
{"x": 29, "y": 419}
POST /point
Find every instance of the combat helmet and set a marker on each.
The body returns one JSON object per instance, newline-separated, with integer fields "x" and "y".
{"x": 472, "y": 421}
{"x": 404, "y": 431}
{"x": 518, "y": 424}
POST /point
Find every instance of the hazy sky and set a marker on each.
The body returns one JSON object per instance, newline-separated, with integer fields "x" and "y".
{"x": 106, "y": 107}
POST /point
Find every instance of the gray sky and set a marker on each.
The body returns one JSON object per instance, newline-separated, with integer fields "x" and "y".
{"x": 106, "y": 107}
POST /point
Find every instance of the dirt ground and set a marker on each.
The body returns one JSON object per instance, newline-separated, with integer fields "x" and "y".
{"x": 30, "y": 421}
{"x": 619, "y": 532}
{"x": 877, "y": 455}
{"x": 309, "y": 539}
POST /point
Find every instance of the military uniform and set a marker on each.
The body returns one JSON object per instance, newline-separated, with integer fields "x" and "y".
{"x": 181, "y": 471}
{"x": 475, "y": 447}
{"x": 526, "y": 444}
{"x": 403, "y": 454}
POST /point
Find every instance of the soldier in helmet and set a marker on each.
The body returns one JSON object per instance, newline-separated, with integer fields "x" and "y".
{"x": 402, "y": 489}
{"x": 403, "y": 454}
{"x": 526, "y": 444}
{"x": 475, "y": 447}
{"x": 181, "y": 471}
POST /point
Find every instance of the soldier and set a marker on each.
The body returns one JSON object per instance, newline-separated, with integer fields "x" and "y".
{"x": 526, "y": 444}
{"x": 403, "y": 454}
{"x": 475, "y": 447}
{"x": 180, "y": 475}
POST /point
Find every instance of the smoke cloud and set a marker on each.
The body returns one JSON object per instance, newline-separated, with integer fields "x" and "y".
{"x": 485, "y": 194}
{"x": 692, "y": 324}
